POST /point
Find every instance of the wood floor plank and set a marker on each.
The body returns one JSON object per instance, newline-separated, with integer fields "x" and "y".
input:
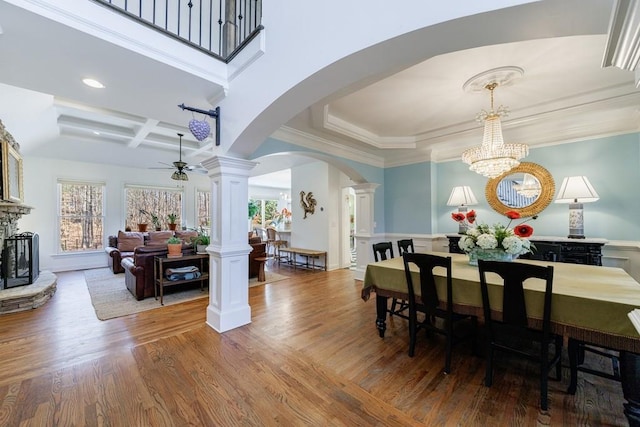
{"x": 311, "y": 356}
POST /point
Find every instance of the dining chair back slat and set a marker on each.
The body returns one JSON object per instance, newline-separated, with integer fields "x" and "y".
{"x": 382, "y": 251}
{"x": 429, "y": 303}
{"x": 512, "y": 333}
{"x": 405, "y": 245}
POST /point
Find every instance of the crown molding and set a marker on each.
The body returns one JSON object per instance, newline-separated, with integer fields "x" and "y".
{"x": 336, "y": 124}
{"x": 623, "y": 44}
{"x": 323, "y": 145}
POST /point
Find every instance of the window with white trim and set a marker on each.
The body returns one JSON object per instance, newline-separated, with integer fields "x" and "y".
{"x": 203, "y": 209}
{"x": 80, "y": 215}
{"x": 152, "y": 206}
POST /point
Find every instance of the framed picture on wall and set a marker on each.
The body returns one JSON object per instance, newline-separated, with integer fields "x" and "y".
{"x": 11, "y": 174}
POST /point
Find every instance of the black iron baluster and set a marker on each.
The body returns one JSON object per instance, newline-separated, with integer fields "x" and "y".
{"x": 190, "y": 4}
{"x": 220, "y": 27}
{"x": 200, "y": 26}
{"x": 240, "y": 27}
{"x": 166, "y": 15}
{"x": 179, "y": 7}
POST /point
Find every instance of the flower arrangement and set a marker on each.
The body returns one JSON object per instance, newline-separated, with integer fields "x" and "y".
{"x": 283, "y": 216}
{"x": 513, "y": 241}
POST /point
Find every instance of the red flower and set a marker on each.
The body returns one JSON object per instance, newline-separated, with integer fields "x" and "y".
{"x": 512, "y": 215}
{"x": 523, "y": 230}
{"x": 471, "y": 216}
{"x": 457, "y": 216}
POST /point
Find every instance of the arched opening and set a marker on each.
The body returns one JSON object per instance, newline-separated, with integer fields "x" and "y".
{"x": 330, "y": 179}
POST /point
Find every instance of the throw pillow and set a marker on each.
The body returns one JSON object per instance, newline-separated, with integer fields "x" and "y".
{"x": 159, "y": 238}
{"x": 186, "y": 236}
{"x": 128, "y": 240}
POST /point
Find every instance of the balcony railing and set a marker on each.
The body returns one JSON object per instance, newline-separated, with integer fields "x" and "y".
{"x": 217, "y": 27}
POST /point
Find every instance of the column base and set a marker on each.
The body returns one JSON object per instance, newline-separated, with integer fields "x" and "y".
{"x": 230, "y": 319}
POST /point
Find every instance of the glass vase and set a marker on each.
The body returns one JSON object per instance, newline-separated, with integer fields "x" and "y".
{"x": 489, "y": 255}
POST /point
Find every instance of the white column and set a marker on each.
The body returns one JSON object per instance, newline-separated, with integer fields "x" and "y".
{"x": 229, "y": 248}
{"x": 364, "y": 226}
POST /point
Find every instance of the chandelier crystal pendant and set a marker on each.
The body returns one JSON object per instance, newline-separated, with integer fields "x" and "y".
{"x": 493, "y": 157}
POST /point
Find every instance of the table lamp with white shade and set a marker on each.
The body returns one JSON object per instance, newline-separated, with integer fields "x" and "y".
{"x": 576, "y": 190}
{"x": 462, "y": 197}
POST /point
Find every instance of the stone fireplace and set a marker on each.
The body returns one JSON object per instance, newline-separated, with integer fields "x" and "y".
{"x": 11, "y": 210}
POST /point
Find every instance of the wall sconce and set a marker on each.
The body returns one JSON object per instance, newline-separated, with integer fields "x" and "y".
{"x": 462, "y": 197}
{"x": 576, "y": 190}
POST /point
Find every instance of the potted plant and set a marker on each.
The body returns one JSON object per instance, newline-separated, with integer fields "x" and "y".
{"x": 142, "y": 225}
{"x": 201, "y": 241}
{"x": 154, "y": 220}
{"x": 174, "y": 246}
{"x": 172, "y": 221}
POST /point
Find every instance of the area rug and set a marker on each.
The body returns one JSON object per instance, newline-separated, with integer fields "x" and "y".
{"x": 269, "y": 278}
{"x": 111, "y": 298}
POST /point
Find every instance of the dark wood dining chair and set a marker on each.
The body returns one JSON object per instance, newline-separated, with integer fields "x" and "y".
{"x": 577, "y": 350}
{"x": 512, "y": 333}
{"x": 429, "y": 303}
{"x": 405, "y": 245}
{"x": 381, "y": 252}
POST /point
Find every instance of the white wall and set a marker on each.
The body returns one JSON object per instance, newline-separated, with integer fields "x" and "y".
{"x": 40, "y": 192}
{"x": 322, "y": 230}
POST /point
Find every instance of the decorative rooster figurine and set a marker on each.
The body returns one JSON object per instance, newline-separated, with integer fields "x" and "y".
{"x": 307, "y": 203}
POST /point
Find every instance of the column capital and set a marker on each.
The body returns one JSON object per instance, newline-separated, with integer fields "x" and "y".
{"x": 367, "y": 187}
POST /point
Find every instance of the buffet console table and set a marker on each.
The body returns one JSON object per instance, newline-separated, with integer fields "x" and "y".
{"x": 589, "y": 303}
{"x": 574, "y": 251}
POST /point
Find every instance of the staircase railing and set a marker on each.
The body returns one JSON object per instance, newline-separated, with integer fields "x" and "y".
{"x": 220, "y": 28}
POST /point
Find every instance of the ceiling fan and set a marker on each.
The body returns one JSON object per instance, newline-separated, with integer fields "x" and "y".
{"x": 181, "y": 168}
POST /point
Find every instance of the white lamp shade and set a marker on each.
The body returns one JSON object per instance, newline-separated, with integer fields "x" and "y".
{"x": 576, "y": 189}
{"x": 462, "y": 196}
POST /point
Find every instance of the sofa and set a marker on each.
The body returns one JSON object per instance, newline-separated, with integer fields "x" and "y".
{"x": 124, "y": 243}
{"x": 139, "y": 268}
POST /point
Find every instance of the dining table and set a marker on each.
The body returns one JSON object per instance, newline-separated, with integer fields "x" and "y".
{"x": 589, "y": 303}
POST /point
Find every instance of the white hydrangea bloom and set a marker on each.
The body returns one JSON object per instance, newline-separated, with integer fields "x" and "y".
{"x": 473, "y": 232}
{"x": 487, "y": 241}
{"x": 512, "y": 245}
{"x": 466, "y": 243}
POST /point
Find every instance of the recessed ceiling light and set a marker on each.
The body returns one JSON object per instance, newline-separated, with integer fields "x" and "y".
{"x": 93, "y": 83}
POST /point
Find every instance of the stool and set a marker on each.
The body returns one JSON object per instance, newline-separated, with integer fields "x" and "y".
{"x": 261, "y": 260}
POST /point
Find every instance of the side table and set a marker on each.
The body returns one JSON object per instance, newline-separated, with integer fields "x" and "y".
{"x": 163, "y": 262}
{"x": 261, "y": 260}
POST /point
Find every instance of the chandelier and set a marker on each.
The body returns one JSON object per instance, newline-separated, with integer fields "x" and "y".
{"x": 530, "y": 186}
{"x": 493, "y": 157}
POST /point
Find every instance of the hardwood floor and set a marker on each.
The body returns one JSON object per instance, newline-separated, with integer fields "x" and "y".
{"x": 311, "y": 356}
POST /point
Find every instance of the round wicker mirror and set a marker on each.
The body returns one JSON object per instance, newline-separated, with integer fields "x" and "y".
{"x": 527, "y": 189}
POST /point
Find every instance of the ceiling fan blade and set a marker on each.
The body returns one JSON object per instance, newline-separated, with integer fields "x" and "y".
{"x": 196, "y": 168}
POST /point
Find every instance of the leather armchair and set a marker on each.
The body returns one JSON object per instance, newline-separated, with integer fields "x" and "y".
{"x": 139, "y": 269}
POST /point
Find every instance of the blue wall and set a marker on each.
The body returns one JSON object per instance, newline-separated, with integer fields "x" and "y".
{"x": 408, "y": 202}
{"x": 612, "y": 165}
{"x": 413, "y": 198}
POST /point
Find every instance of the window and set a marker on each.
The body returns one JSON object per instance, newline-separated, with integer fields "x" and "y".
{"x": 157, "y": 202}
{"x": 266, "y": 212}
{"x": 80, "y": 216}
{"x": 203, "y": 209}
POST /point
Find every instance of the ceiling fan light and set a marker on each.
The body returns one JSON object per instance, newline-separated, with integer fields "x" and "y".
{"x": 179, "y": 176}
